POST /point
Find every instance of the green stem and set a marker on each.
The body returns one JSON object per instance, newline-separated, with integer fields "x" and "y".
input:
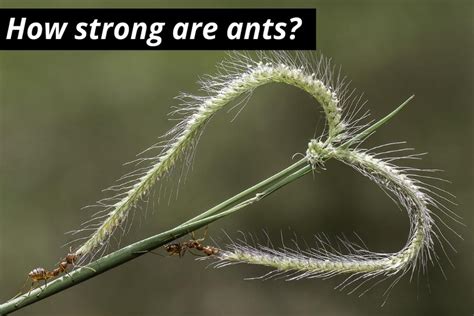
{"x": 251, "y": 191}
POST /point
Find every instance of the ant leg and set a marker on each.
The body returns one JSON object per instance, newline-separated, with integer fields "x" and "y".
{"x": 31, "y": 288}
{"x": 183, "y": 251}
{"x": 17, "y": 294}
{"x": 21, "y": 291}
{"x": 204, "y": 236}
{"x": 41, "y": 287}
{"x": 67, "y": 273}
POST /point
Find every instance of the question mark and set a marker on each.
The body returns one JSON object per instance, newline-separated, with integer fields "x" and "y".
{"x": 298, "y": 22}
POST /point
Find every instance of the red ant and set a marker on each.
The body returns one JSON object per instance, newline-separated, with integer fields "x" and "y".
{"x": 41, "y": 274}
{"x": 180, "y": 248}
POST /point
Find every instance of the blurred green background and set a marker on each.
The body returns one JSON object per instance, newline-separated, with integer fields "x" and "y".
{"x": 70, "y": 119}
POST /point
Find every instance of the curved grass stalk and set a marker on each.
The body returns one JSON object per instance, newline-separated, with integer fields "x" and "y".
{"x": 125, "y": 254}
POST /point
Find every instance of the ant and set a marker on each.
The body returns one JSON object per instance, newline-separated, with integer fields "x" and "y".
{"x": 180, "y": 248}
{"x": 41, "y": 274}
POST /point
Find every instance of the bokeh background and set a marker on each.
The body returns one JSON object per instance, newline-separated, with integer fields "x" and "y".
{"x": 70, "y": 119}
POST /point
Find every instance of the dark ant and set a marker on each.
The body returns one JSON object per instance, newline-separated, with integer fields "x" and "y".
{"x": 181, "y": 248}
